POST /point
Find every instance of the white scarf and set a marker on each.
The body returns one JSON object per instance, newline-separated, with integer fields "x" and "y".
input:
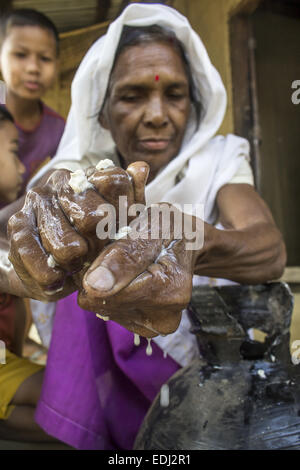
{"x": 206, "y": 162}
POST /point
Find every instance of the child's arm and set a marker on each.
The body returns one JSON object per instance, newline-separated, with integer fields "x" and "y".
{"x": 7, "y": 212}
{"x": 9, "y": 281}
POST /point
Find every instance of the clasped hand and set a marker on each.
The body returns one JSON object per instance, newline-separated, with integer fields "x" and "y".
{"x": 141, "y": 282}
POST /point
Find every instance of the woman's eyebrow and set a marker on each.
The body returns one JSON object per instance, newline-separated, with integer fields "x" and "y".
{"x": 123, "y": 87}
{"x": 178, "y": 84}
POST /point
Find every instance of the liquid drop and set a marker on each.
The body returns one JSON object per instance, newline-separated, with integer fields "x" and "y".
{"x": 102, "y": 317}
{"x": 164, "y": 395}
{"x": 149, "y": 348}
{"x": 136, "y": 339}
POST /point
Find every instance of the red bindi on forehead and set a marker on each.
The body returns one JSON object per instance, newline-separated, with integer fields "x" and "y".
{"x": 156, "y": 78}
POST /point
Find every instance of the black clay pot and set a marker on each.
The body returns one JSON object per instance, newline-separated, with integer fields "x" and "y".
{"x": 241, "y": 394}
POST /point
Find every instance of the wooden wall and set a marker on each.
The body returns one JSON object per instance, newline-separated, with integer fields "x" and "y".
{"x": 73, "y": 45}
{"x": 210, "y": 19}
{"x": 277, "y": 54}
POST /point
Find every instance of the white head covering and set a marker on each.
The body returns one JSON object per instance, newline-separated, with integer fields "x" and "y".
{"x": 208, "y": 162}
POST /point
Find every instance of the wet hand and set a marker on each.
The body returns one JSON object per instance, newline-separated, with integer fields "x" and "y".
{"x": 143, "y": 283}
{"x": 53, "y": 237}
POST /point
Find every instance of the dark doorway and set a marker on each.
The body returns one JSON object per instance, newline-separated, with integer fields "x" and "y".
{"x": 266, "y": 66}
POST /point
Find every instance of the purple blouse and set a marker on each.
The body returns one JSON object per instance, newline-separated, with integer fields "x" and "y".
{"x": 38, "y": 145}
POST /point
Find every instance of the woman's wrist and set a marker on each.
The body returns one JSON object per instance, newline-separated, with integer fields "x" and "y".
{"x": 203, "y": 254}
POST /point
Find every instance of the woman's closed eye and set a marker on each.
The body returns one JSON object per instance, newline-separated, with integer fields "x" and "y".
{"x": 176, "y": 96}
{"x": 130, "y": 98}
{"x": 175, "y": 93}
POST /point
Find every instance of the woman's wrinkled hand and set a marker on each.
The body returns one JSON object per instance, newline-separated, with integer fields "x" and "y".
{"x": 142, "y": 283}
{"x": 53, "y": 237}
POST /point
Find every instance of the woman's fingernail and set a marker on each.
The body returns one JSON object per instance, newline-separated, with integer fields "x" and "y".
{"x": 101, "y": 278}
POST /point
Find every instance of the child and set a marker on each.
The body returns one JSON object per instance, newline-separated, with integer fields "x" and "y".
{"x": 29, "y": 46}
{"x": 20, "y": 379}
{"x": 12, "y": 169}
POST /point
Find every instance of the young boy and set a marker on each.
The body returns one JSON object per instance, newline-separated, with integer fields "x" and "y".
{"x": 20, "y": 379}
{"x": 29, "y": 46}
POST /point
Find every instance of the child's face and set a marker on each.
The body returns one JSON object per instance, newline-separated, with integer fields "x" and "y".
{"x": 28, "y": 61}
{"x": 11, "y": 168}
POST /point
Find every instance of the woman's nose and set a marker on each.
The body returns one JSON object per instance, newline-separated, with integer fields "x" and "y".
{"x": 156, "y": 114}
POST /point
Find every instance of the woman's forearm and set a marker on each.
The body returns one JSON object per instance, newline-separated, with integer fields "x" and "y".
{"x": 253, "y": 255}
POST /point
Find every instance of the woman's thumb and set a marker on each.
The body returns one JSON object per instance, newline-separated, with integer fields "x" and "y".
{"x": 119, "y": 264}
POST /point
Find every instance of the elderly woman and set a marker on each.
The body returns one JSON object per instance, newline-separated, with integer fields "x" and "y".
{"x": 146, "y": 92}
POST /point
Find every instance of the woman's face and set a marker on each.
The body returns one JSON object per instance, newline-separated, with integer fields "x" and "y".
{"x": 148, "y": 104}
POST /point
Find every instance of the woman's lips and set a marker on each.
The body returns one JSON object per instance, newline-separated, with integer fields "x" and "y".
{"x": 153, "y": 144}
